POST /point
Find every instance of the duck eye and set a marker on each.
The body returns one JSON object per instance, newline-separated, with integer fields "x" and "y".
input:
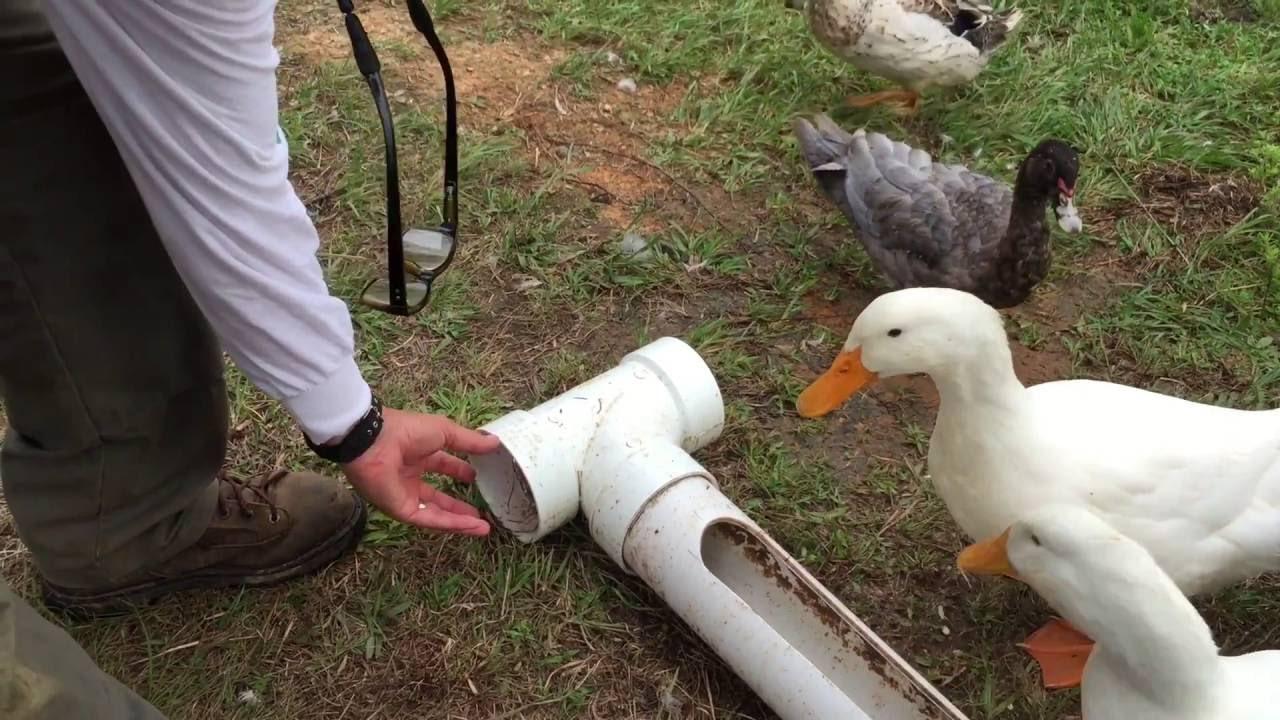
{"x": 1035, "y": 539}
{"x": 895, "y": 332}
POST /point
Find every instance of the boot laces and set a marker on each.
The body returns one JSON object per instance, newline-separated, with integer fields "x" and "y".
{"x": 240, "y": 494}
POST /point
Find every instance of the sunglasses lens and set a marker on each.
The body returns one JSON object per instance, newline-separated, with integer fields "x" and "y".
{"x": 428, "y": 249}
{"x": 377, "y": 294}
{"x": 415, "y": 294}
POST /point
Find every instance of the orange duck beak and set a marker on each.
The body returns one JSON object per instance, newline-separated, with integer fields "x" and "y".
{"x": 846, "y": 376}
{"x": 990, "y": 557}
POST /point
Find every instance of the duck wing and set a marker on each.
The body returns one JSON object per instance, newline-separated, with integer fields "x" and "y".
{"x": 977, "y": 22}
{"x": 1198, "y": 485}
{"x": 921, "y": 222}
{"x": 941, "y": 10}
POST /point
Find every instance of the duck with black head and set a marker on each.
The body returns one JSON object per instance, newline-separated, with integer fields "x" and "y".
{"x": 931, "y": 224}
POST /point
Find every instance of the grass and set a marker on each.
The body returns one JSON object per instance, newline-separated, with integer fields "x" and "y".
{"x": 1174, "y": 285}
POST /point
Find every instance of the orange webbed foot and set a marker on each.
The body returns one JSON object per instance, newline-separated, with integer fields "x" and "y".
{"x": 1061, "y": 651}
{"x": 905, "y": 102}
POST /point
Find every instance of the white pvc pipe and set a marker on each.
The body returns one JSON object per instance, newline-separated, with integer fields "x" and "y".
{"x": 618, "y": 448}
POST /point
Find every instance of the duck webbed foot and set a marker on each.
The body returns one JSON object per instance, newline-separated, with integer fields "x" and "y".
{"x": 904, "y": 101}
{"x": 1061, "y": 651}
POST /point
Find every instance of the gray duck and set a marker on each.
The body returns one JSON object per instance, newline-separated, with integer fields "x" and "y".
{"x": 930, "y": 224}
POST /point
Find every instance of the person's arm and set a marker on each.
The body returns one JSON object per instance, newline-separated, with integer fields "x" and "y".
{"x": 188, "y": 91}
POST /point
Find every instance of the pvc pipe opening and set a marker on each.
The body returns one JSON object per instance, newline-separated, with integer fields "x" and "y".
{"x": 505, "y": 489}
{"x": 748, "y": 566}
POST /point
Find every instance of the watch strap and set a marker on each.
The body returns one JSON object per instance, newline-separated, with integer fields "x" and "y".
{"x": 357, "y": 441}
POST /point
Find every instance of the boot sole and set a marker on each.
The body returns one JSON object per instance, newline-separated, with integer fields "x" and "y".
{"x": 125, "y": 600}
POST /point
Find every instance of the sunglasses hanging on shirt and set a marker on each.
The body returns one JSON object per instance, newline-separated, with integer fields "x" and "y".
{"x": 417, "y": 257}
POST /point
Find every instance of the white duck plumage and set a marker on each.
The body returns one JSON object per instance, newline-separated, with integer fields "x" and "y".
{"x": 1197, "y": 485}
{"x": 1154, "y": 657}
{"x": 915, "y": 43}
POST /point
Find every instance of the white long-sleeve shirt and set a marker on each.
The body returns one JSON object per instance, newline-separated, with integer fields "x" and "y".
{"x": 187, "y": 89}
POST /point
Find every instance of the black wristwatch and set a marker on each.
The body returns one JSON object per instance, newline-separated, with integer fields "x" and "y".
{"x": 357, "y": 441}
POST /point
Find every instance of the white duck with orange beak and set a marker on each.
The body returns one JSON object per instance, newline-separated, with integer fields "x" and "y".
{"x": 1155, "y": 658}
{"x": 1197, "y": 485}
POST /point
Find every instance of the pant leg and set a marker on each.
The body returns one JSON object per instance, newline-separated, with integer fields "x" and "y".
{"x": 110, "y": 376}
{"x": 45, "y": 675}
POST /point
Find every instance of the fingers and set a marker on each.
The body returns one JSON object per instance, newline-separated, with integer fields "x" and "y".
{"x": 445, "y": 464}
{"x": 438, "y": 511}
{"x": 428, "y": 433}
{"x": 466, "y": 440}
{"x": 431, "y": 496}
{"x": 433, "y": 518}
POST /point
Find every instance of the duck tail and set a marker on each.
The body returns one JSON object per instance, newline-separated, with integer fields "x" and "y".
{"x": 841, "y": 162}
{"x": 984, "y": 27}
{"x": 1010, "y": 19}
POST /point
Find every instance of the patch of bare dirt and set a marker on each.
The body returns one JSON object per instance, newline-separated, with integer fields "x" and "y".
{"x": 836, "y": 315}
{"x": 600, "y": 140}
{"x": 1192, "y": 203}
{"x": 605, "y": 140}
{"x": 599, "y": 143}
{"x": 1186, "y": 202}
{"x": 1216, "y": 11}
{"x": 328, "y": 41}
{"x": 1033, "y": 367}
{"x": 493, "y": 81}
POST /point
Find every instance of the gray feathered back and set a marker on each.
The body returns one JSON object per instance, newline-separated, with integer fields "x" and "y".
{"x": 921, "y": 222}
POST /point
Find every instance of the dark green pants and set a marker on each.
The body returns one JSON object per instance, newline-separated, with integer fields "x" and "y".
{"x": 110, "y": 377}
{"x": 44, "y": 675}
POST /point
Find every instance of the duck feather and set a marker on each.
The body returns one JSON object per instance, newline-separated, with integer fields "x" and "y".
{"x": 922, "y": 222}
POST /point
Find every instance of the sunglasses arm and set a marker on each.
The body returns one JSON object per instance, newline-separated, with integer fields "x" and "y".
{"x": 369, "y": 66}
{"x": 422, "y": 21}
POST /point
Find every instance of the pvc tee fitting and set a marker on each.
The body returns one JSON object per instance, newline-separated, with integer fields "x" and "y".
{"x": 606, "y": 446}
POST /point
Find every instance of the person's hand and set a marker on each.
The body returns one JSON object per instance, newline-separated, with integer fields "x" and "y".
{"x": 389, "y": 474}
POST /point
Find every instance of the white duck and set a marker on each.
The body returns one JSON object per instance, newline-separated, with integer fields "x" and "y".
{"x": 914, "y": 43}
{"x": 1197, "y": 485}
{"x": 1155, "y": 657}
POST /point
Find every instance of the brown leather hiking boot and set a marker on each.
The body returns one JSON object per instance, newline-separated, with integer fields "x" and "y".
{"x": 264, "y": 531}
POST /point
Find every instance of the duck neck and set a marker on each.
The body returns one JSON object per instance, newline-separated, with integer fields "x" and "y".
{"x": 1158, "y": 646}
{"x": 985, "y": 380}
{"x": 1027, "y": 225}
{"x": 1024, "y": 254}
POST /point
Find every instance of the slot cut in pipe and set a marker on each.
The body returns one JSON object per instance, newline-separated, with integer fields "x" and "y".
{"x": 618, "y": 447}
